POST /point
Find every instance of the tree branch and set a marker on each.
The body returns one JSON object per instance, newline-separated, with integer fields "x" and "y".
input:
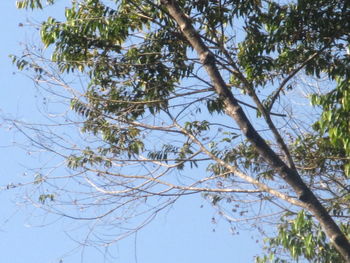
{"x": 234, "y": 110}
{"x": 290, "y": 76}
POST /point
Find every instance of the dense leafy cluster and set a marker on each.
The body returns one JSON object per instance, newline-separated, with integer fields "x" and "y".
{"x": 303, "y": 239}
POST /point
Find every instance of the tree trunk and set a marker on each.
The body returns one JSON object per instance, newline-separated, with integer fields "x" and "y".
{"x": 234, "y": 110}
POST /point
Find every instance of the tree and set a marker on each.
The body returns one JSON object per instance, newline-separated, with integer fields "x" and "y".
{"x": 212, "y": 83}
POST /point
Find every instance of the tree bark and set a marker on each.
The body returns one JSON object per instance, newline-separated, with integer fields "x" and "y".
{"x": 233, "y": 109}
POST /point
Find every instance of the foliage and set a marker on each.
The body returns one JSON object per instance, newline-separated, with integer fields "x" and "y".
{"x": 304, "y": 239}
{"x": 334, "y": 120}
{"x": 143, "y": 83}
{"x": 32, "y": 4}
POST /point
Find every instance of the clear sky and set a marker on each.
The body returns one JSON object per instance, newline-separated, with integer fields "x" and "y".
{"x": 182, "y": 234}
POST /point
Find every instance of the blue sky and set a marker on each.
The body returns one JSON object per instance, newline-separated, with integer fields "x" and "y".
{"x": 183, "y": 233}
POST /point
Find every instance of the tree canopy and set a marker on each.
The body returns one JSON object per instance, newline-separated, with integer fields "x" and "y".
{"x": 246, "y": 102}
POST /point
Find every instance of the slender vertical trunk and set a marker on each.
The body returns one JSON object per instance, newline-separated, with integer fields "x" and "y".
{"x": 234, "y": 110}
